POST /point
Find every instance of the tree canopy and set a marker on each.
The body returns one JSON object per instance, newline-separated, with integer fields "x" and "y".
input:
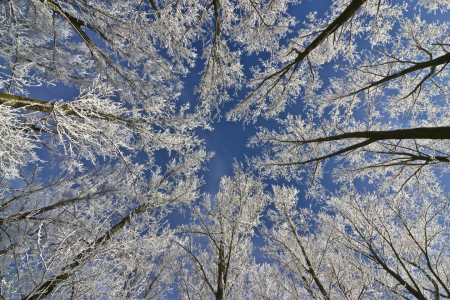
{"x": 346, "y": 198}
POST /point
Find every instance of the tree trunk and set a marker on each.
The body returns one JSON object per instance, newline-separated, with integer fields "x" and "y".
{"x": 221, "y": 269}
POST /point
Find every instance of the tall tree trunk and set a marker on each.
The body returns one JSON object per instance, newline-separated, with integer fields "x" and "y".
{"x": 221, "y": 270}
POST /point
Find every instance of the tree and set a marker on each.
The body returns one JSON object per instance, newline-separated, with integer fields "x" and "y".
{"x": 53, "y": 38}
{"x": 405, "y": 78}
{"x": 264, "y": 283}
{"x": 220, "y": 268}
{"x": 403, "y": 238}
{"x": 114, "y": 195}
{"x": 107, "y": 50}
{"x": 393, "y": 237}
{"x": 295, "y": 66}
{"x": 124, "y": 153}
{"x": 59, "y": 233}
{"x": 310, "y": 264}
{"x": 362, "y": 245}
{"x": 58, "y": 236}
{"x": 399, "y": 160}
{"x": 39, "y": 36}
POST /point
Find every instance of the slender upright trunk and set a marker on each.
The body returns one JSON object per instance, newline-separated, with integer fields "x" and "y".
{"x": 221, "y": 270}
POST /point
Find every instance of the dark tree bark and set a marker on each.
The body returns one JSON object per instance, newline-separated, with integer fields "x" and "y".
{"x": 429, "y": 133}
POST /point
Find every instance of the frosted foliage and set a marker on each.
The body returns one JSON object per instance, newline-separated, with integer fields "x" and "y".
{"x": 265, "y": 283}
{"x": 362, "y": 245}
{"x": 310, "y": 263}
{"x": 293, "y": 70}
{"x": 25, "y": 34}
{"x": 417, "y": 41}
{"x": 82, "y": 190}
{"x": 304, "y": 148}
{"x": 435, "y": 5}
{"x": 89, "y": 185}
{"x": 119, "y": 270}
{"x": 230, "y": 30}
{"x": 94, "y": 126}
{"x": 226, "y": 224}
{"x": 15, "y": 147}
{"x": 384, "y": 121}
{"x": 154, "y": 38}
{"x": 50, "y": 38}
{"x": 101, "y": 220}
{"x": 48, "y": 43}
{"x": 403, "y": 238}
{"x": 381, "y": 125}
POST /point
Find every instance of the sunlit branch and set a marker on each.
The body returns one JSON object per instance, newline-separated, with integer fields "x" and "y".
{"x": 68, "y": 110}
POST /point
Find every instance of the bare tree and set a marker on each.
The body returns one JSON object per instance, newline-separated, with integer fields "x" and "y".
{"x": 310, "y": 264}
{"x": 57, "y": 237}
{"x": 218, "y": 266}
{"x": 97, "y": 229}
{"x": 354, "y": 119}
{"x": 403, "y": 238}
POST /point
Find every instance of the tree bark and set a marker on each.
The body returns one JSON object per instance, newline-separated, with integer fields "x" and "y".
{"x": 429, "y": 133}
{"x": 444, "y": 59}
{"x": 221, "y": 270}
